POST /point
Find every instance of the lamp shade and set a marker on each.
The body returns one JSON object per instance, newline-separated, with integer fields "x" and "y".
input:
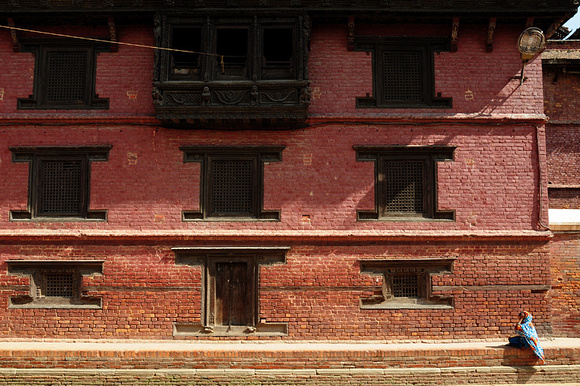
{"x": 531, "y": 42}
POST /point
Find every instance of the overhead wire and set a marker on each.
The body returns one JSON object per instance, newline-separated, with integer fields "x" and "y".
{"x": 111, "y": 42}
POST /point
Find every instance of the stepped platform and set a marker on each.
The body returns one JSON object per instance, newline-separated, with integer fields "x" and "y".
{"x": 284, "y": 363}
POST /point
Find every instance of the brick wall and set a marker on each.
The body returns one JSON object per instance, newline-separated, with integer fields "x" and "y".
{"x": 565, "y": 293}
{"x": 146, "y": 185}
{"x": 316, "y": 291}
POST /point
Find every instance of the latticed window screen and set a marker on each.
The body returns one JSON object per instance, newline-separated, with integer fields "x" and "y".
{"x": 61, "y": 187}
{"x": 59, "y": 285}
{"x": 403, "y": 76}
{"x": 232, "y": 187}
{"x": 66, "y": 76}
{"x": 404, "y": 190}
{"x": 405, "y": 285}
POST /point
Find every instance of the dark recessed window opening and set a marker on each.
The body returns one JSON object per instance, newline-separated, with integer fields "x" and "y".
{"x": 64, "y": 78}
{"x": 405, "y": 286}
{"x": 59, "y": 285}
{"x": 186, "y": 39}
{"x": 62, "y": 186}
{"x": 55, "y": 283}
{"x": 278, "y": 53}
{"x": 403, "y": 76}
{"x": 403, "y": 72}
{"x": 232, "y": 187}
{"x": 405, "y": 182}
{"x": 406, "y": 283}
{"x": 404, "y": 186}
{"x": 232, "y": 181}
{"x": 232, "y": 45}
{"x": 59, "y": 182}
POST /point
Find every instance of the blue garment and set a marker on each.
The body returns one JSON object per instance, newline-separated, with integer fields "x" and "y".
{"x": 527, "y": 332}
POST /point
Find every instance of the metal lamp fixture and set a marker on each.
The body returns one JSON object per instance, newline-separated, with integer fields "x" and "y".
{"x": 530, "y": 43}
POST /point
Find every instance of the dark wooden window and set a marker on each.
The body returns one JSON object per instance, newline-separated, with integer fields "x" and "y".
{"x": 232, "y": 45}
{"x": 406, "y": 283}
{"x": 64, "y": 77}
{"x": 230, "y": 289}
{"x": 59, "y": 182}
{"x": 232, "y": 182}
{"x": 186, "y": 64}
{"x": 278, "y": 53}
{"x": 405, "y": 182}
{"x": 403, "y": 72}
{"x": 55, "y": 284}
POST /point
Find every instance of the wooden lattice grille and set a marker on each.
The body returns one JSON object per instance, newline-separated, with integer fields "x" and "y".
{"x": 61, "y": 187}
{"x": 59, "y": 285}
{"x": 66, "y": 76}
{"x": 404, "y": 186}
{"x": 232, "y": 187}
{"x": 403, "y": 76}
{"x": 406, "y": 285}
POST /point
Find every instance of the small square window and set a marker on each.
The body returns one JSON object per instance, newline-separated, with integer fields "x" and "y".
{"x": 232, "y": 182}
{"x": 59, "y": 182}
{"x": 64, "y": 78}
{"x": 55, "y": 284}
{"x": 403, "y": 72}
{"x": 405, "y": 182}
{"x": 406, "y": 283}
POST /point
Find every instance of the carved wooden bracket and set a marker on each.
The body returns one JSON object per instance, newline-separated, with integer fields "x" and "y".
{"x": 490, "y": 34}
{"x": 14, "y": 36}
{"x": 454, "y": 34}
{"x": 350, "y": 36}
{"x": 113, "y": 34}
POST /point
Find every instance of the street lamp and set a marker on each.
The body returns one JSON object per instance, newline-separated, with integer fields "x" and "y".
{"x": 530, "y": 43}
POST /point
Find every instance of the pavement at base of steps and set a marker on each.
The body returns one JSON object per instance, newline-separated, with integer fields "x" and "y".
{"x": 197, "y": 345}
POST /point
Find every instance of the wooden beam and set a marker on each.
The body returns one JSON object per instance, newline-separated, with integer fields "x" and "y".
{"x": 350, "y": 36}
{"x": 454, "y": 34}
{"x": 14, "y": 36}
{"x": 490, "y": 34}
{"x": 113, "y": 34}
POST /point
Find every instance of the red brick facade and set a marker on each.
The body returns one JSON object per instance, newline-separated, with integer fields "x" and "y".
{"x": 496, "y": 183}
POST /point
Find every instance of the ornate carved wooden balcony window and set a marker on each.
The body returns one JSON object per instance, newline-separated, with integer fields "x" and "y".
{"x": 55, "y": 284}
{"x": 59, "y": 182}
{"x": 249, "y": 71}
{"x": 64, "y": 77}
{"x": 232, "y": 182}
{"x": 405, "y": 182}
{"x": 231, "y": 284}
{"x": 406, "y": 283}
{"x": 403, "y": 72}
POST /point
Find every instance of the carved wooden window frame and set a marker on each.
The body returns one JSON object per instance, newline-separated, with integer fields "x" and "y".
{"x": 257, "y": 155}
{"x": 38, "y": 270}
{"x": 425, "y": 48}
{"x": 422, "y": 269}
{"x": 36, "y": 157}
{"x": 429, "y": 156}
{"x": 207, "y": 258}
{"x": 210, "y": 67}
{"x": 39, "y": 98}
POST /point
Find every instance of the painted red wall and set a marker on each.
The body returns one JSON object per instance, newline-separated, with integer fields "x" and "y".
{"x": 492, "y": 184}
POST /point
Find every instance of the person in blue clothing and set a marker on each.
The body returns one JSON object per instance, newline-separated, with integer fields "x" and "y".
{"x": 527, "y": 336}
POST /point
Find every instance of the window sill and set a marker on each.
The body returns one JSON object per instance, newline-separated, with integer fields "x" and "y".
{"x": 396, "y": 304}
{"x": 264, "y": 216}
{"x": 55, "y": 303}
{"x": 26, "y": 216}
{"x": 262, "y": 329}
{"x": 440, "y": 216}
